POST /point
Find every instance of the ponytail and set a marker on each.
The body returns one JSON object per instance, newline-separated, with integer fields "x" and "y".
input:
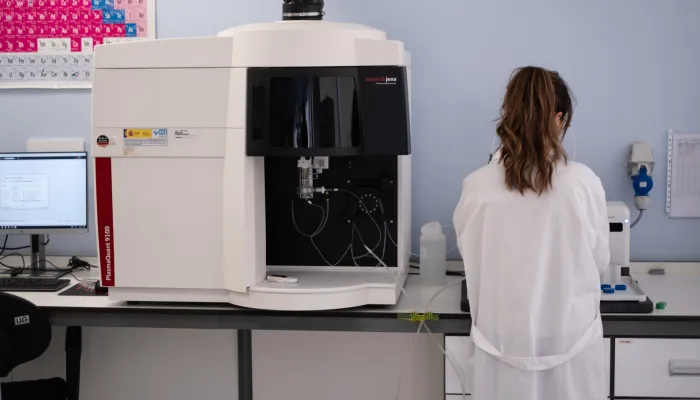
{"x": 529, "y": 130}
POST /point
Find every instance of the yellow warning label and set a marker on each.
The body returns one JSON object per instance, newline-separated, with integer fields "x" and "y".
{"x": 131, "y": 133}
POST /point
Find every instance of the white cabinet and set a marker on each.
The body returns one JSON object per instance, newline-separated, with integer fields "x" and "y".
{"x": 657, "y": 368}
{"x": 457, "y": 346}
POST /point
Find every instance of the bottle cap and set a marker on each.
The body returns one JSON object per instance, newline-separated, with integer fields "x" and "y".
{"x": 608, "y": 290}
{"x": 605, "y": 286}
{"x": 621, "y": 286}
{"x": 661, "y": 305}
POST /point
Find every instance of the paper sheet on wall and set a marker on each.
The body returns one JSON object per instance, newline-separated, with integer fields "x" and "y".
{"x": 49, "y": 43}
{"x": 683, "y": 188}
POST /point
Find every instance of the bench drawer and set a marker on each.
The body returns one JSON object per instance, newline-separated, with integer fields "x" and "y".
{"x": 657, "y": 368}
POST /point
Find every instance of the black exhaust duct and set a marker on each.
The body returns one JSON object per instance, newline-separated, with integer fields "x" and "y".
{"x": 296, "y": 10}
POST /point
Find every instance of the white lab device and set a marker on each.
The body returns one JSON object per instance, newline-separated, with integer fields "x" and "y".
{"x": 619, "y": 220}
{"x": 620, "y": 288}
{"x": 272, "y": 149}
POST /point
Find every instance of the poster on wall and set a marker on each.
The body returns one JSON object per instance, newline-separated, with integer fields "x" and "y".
{"x": 49, "y": 43}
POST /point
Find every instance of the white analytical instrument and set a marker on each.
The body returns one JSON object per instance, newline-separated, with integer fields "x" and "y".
{"x": 616, "y": 286}
{"x": 273, "y": 150}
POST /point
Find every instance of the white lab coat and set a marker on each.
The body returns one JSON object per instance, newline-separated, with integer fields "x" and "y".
{"x": 533, "y": 269}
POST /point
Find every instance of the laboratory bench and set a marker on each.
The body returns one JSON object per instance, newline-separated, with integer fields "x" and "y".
{"x": 645, "y": 350}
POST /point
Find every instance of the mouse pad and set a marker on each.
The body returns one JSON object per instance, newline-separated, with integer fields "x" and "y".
{"x": 82, "y": 289}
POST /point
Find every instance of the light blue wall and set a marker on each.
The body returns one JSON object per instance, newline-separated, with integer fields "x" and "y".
{"x": 633, "y": 64}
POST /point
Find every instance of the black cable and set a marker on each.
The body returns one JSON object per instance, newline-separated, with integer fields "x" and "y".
{"x": 639, "y": 218}
{"x": 14, "y": 270}
{"x": 74, "y": 264}
{"x": 4, "y": 245}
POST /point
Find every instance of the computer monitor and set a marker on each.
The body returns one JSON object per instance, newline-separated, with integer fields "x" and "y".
{"x": 42, "y": 193}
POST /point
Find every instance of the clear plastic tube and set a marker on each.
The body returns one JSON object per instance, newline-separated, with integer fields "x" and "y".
{"x": 450, "y": 358}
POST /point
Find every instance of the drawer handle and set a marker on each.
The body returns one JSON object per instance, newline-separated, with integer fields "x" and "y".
{"x": 684, "y": 368}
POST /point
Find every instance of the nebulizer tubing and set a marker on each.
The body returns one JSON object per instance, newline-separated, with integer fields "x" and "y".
{"x": 318, "y": 230}
{"x": 322, "y": 225}
{"x": 421, "y": 326}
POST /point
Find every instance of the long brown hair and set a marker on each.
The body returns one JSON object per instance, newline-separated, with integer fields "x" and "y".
{"x": 528, "y": 128}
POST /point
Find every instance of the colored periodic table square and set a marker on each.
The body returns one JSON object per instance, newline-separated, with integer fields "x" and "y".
{"x": 85, "y": 29}
{"x": 40, "y": 4}
{"x": 119, "y": 16}
{"x": 30, "y": 16}
{"x": 97, "y": 30}
{"x": 98, "y": 4}
{"x": 8, "y": 45}
{"x": 75, "y": 44}
{"x": 52, "y": 4}
{"x": 30, "y": 44}
{"x": 74, "y": 16}
{"x": 108, "y": 5}
{"x": 131, "y": 30}
{"x": 63, "y": 16}
{"x": 20, "y": 30}
{"x": 96, "y": 16}
{"x": 51, "y": 31}
{"x": 42, "y": 30}
{"x": 31, "y": 31}
{"x": 20, "y": 46}
{"x": 119, "y": 30}
{"x": 9, "y": 31}
{"x": 136, "y": 15}
{"x": 64, "y": 5}
{"x": 19, "y": 17}
{"x": 85, "y": 16}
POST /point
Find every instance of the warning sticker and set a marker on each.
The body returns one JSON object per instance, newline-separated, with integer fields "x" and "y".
{"x": 102, "y": 141}
{"x": 145, "y": 137}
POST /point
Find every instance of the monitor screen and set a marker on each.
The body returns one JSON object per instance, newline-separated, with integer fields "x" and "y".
{"x": 43, "y": 192}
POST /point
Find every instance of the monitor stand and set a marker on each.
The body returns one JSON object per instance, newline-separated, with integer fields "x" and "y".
{"x": 38, "y": 265}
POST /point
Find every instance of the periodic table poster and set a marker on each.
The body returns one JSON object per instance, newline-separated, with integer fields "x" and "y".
{"x": 50, "y": 43}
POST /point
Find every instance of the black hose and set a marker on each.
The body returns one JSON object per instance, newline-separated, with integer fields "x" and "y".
{"x": 639, "y": 217}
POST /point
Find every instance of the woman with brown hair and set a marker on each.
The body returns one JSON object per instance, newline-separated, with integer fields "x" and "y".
{"x": 532, "y": 229}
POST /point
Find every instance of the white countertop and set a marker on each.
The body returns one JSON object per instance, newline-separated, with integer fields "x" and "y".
{"x": 680, "y": 291}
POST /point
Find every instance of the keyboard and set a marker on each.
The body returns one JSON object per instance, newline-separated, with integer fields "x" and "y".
{"x": 32, "y": 284}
